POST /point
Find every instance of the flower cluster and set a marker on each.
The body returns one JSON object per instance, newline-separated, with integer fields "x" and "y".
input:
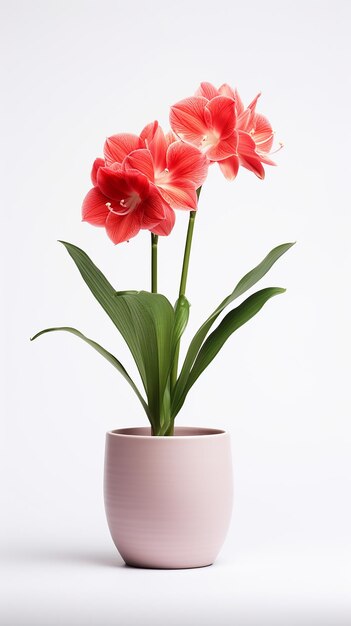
{"x": 138, "y": 184}
{"x": 142, "y": 179}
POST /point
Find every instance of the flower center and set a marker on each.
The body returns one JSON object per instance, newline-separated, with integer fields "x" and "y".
{"x": 162, "y": 177}
{"x": 209, "y": 140}
{"x": 127, "y": 205}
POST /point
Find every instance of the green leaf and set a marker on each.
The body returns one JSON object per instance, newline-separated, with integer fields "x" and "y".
{"x": 108, "y": 356}
{"x": 231, "y": 322}
{"x": 145, "y": 321}
{"x": 153, "y": 318}
{"x": 114, "y": 304}
{"x": 248, "y": 281}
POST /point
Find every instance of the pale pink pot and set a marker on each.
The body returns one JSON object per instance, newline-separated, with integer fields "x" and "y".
{"x": 168, "y": 500}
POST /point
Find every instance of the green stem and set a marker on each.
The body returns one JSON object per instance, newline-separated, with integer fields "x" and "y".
{"x": 183, "y": 282}
{"x": 154, "y": 242}
{"x": 189, "y": 238}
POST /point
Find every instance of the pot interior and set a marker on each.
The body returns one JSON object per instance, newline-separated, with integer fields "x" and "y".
{"x": 179, "y": 431}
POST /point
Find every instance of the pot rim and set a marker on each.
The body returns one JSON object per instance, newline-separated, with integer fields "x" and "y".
{"x": 199, "y": 432}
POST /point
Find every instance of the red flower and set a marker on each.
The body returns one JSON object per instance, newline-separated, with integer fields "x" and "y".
{"x": 123, "y": 202}
{"x": 208, "y": 124}
{"x": 205, "y": 121}
{"x": 140, "y": 182}
{"x": 177, "y": 169}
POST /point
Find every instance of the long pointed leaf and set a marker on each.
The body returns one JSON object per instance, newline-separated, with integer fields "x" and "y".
{"x": 108, "y": 356}
{"x": 153, "y": 319}
{"x": 144, "y": 320}
{"x": 248, "y": 281}
{"x": 231, "y": 322}
{"x": 113, "y": 303}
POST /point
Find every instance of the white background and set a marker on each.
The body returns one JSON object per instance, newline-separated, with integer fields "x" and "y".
{"x": 74, "y": 73}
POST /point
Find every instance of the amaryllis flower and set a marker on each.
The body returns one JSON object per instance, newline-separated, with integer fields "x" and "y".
{"x": 174, "y": 172}
{"x": 124, "y": 202}
{"x": 176, "y": 169}
{"x": 208, "y": 124}
{"x": 251, "y": 139}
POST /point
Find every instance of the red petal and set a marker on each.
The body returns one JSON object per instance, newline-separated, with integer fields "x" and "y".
{"x": 158, "y": 149}
{"x": 94, "y": 209}
{"x": 253, "y": 164}
{"x": 165, "y": 227}
{"x": 244, "y": 119}
{"x": 246, "y": 145}
{"x": 121, "y": 184}
{"x": 265, "y": 159}
{"x": 181, "y": 195}
{"x": 154, "y": 139}
{"x": 96, "y": 165}
{"x": 187, "y": 119}
{"x": 153, "y": 208}
{"x": 170, "y": 137}
{"x": 207, "y": 90}
{"x": 238, "y": 103}
{"x": 263, "y": 134}
{"x": 252, "y": 104}
{"x": 229, "y": 167}
{"x": 248, "y": 156}
{"x": 224, "y": 149}
{"x": 185, "y": 161}
{"x": 140, "y": 160}
{"x": 118, "y": 146}
{"x": 148, "y": 132}
{"x": 226, "y": 90}
{"x": 220, "y": 116}
{"x": 116, "y": 167}
{"x": 123, "y": 227}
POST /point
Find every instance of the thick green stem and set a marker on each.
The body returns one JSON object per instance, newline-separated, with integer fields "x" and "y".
{"x": 154, "y": 242}
{"x": 189, "y": 238}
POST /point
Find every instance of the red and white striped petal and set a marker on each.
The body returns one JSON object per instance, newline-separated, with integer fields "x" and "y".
{"x": 123, "y": 227}
{"x": 224, "y": 148}
{"x": 229, "y": 167}
{"x": 248, "y": 156}
{"x": 94, "y": 209}
{"x": 148, "y": 132}
{"x": 265, "y": 159}
{"x": 238, "y": 103}
{"x": 207, "y": 90}
{"x": 252, "y": 104}
{"x": 226, "y": 90}
{"x": 153, "y": 208}
{"x": 186, "y": 162}
{"x": 243, "y": 120}
{"x": 140, "y": 160}
{"x": 117, "y": 147}
{"x": 96, "y": 165}
{"x": 246, "y": 144}
{"x": 170, "y": 138}
{"x": 187, "y": 119}
{"x": 180, "y": 195}
{"x": 220, "y": 116}
{"x": 166, "y": 225}
{"x": 158, "y": 149}
{"x": 254, "y": 165}
{"x": 263, "y": 133}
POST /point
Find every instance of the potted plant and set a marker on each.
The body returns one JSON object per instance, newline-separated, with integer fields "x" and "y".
{"x": 168, "y": 490}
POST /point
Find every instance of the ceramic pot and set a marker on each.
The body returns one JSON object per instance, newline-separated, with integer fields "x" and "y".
{"x": 168, "y": 500}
